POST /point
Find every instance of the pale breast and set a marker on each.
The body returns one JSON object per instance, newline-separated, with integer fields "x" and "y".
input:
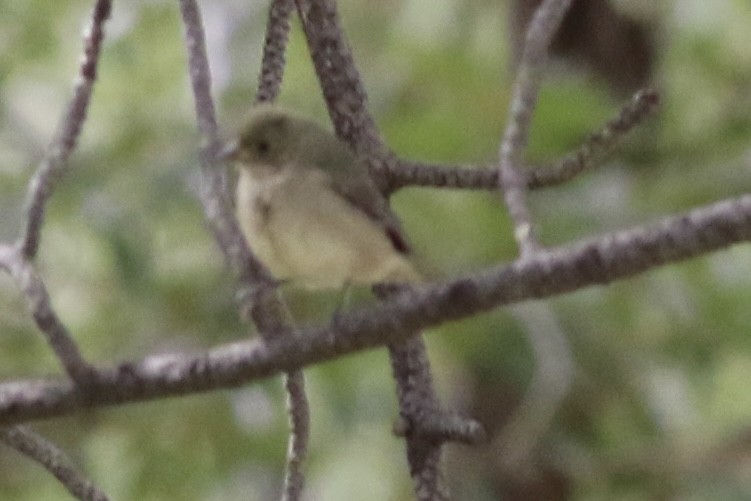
{"x": 254, "y": 213}
{"x": 304, "y": 231}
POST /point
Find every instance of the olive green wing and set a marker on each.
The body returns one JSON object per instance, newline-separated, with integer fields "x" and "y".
{"x": 350, "y": 179}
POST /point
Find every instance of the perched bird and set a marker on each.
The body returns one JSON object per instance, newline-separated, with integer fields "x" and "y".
{"x": 308, "y": 208}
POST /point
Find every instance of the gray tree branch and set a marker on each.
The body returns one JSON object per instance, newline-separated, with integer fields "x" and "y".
{"x": 598, "y": 145}
{"x": 53, "y": 459}
{"x": 17, "y": 260}
{"x": 340, "y": 81}
{"x": 539, "y": 273}
{"x": 542, "y": 28}
{"x": 274, "y": 47}
{"x": 403, "y": 173}
{"x": 594, "y": 261}
{"x": 40, "y": 306}
{"x": 262, "y": 301}
{"x": 54, "y": 164}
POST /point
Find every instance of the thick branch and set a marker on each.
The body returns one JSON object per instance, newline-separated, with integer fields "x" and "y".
{"x": 600, "y": 260}
{"x": 341, "y": 84}
{"x": 417, "y": 402}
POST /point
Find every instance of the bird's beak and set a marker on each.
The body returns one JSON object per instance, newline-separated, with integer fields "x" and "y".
{"x": 229, "y": 152}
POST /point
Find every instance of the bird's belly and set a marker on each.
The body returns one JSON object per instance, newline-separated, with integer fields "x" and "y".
{"x": 315, "y": 238}
{"x": 326, "y": 243}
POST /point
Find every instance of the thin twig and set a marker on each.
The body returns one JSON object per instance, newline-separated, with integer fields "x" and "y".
{"x": 54, "y": 460}
{"x": 258, "y": 293}
{"x": 595, "y": 261}
{"x": 214, "y": 191}
{"x": 54, "y": 164}
{"x": 599, "y": 144}
{"x": 404, "y": 173}
{"x": 255, "y": 283}
{"x": 299, "y": 418}
{"x": 39, "y": 304}
{"x": 298, "y": 408}
{"x": 543, "y": 26}
{"x": 274, "y": 47}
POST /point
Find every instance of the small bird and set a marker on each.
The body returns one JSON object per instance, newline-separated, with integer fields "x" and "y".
{"x": 309, "y": 209}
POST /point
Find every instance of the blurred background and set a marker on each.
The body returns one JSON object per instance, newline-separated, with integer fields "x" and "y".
{"x": 640, "y": 393}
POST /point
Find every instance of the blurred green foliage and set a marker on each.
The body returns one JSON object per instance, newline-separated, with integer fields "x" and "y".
{"x": 662, "y": 361}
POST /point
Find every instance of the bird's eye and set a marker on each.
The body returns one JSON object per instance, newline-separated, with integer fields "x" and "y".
{"x": 263, "y": 147}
